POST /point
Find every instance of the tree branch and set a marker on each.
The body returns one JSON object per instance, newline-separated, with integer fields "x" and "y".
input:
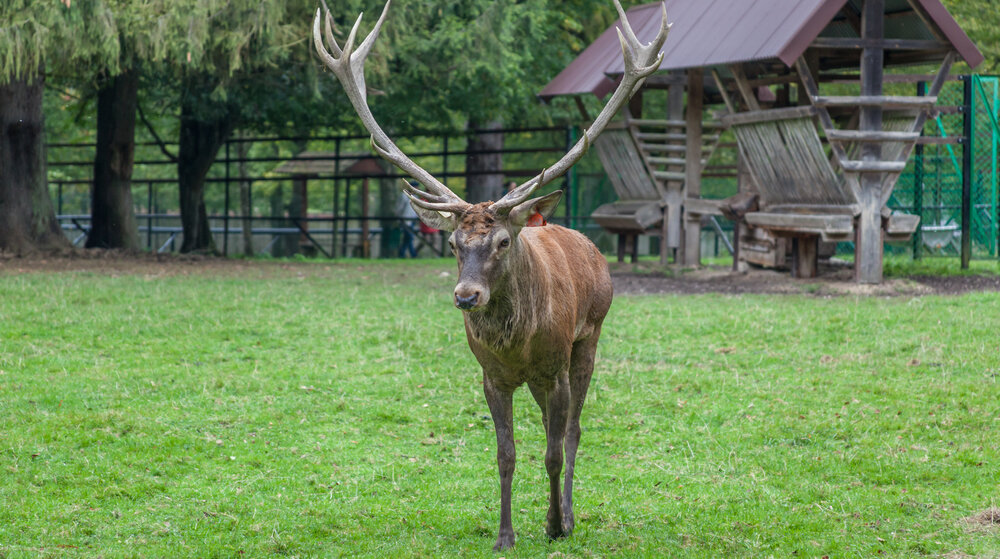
{"x": 152, "y": 131}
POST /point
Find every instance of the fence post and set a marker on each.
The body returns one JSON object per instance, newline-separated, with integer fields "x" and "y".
{"x": 225, "y": 211}
{"x": 149, "y": 215}
{"x": 967, "y": 158}
{"x": 918, "y": 186}
{"x": 336, "y": 201}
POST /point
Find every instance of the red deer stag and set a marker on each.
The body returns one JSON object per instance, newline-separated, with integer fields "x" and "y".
{"x": 534, "y": 297}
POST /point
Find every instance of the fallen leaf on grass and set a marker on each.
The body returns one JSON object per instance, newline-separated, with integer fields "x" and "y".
{"x": 725, "y": 350}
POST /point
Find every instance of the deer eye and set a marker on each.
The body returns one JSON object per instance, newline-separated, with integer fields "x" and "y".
{"x": 505, "y": 243}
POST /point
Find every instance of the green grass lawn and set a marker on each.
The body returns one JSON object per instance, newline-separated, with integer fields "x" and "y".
{"x": 335, "y": 410}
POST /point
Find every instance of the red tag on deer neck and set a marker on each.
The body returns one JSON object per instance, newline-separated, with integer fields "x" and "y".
{"x": 536, "y": 220}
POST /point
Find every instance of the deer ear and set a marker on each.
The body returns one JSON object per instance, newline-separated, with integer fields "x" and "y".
{"x": 544, "y": 205}
{"x": 446, "y": 221}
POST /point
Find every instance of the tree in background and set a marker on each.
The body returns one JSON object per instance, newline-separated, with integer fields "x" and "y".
{"x": 138, "y": 38}
{"x": 36, "y": 38}
{"x": 477, "y": 65}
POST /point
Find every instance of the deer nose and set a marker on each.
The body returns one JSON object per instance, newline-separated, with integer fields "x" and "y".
{"x": 467, "y": 302}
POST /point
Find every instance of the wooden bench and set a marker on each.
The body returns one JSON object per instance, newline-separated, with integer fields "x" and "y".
{"x": 801, "y": 196}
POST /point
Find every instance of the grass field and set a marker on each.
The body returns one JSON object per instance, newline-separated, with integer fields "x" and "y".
{"x": 335, "y": 410}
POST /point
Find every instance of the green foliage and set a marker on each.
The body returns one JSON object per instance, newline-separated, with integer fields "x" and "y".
{"x": 980, "y": 19}
{"x": 335, "y": 410}
{"x": 66, "y": 36}
{"x": 442, "y": 64}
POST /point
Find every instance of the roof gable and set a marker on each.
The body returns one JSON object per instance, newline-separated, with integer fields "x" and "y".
{"x": 720, "y": 32}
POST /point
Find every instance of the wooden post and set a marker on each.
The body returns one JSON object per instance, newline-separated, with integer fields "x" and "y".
{"x": 672, "y": 213}
{"x": 300, "y": 207}
{"x": 691, "y": 249}
{"x": 868, "y": 247}
{"x": 805, "y": 251}
{"x": 365, "y": 243}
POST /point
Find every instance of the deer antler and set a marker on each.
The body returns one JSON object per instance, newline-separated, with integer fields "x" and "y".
{"x": 640, "y": 61}
{"x": 348, "y": 64}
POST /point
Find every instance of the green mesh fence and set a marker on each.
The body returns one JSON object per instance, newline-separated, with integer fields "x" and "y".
{"x": 931, "y": 185}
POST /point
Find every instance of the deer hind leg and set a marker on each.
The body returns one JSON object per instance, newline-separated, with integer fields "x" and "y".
{"x": 581, "y": 369}
{"x": 557, "y": 408}
{"x": 502, "y": 410}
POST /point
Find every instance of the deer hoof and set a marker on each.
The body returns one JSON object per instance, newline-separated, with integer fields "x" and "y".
{"x": 556, "y": 533}
{"x": 504, "y": 542}
{"x": 567, "y": 526}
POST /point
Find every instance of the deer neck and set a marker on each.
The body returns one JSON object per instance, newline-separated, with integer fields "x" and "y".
{"x": 508, "y": 320}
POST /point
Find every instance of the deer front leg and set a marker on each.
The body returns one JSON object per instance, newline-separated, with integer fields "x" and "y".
{"x": 502, "y": 410}
{"x": 558, "y": 409}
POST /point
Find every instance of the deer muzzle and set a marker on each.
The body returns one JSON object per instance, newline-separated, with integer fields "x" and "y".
{"x": 471, "y": 296}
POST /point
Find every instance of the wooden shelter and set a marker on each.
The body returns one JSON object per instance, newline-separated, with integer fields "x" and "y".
{"x": 315, "y": 164}
{"x": 814, "y": 165}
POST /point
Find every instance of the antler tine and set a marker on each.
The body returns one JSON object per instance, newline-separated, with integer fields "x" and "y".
{"x": 432, "y": 202}
{"x": 348, "y": 64}
{"x": 640, "y": 61}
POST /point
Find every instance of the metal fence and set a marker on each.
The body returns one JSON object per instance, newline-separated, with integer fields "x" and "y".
{"x": 329, "y": 195}
{"x": 953, "y": 182}
{"x": 316, "y": 195}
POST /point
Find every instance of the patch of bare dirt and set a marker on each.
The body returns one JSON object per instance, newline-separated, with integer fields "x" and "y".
{"x": 988, "y": 519}
{"x": 832, "y": 281}
{"x": 629, "y": 279}
{"x": 116, "y": 262}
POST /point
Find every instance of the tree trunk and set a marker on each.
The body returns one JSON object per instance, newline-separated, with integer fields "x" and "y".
{"x": 27, "y": 220}
{"x": 246, "y": 205}
{"x": 112, "y": 215}
{"x": 200, "y": 141}
{"x": 484, "y": 180}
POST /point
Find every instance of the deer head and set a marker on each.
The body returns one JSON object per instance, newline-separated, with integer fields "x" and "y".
{"x": 485, "y": 236}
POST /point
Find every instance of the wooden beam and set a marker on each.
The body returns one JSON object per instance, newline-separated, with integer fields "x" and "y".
{"x": 881, "y": 101}
{"x": 915, "y": 6}
{"x": 873, "y": 166}
{"x": 853, "y": 17}
{"x": 722, "y": 91}
{"x": 862, "y": 136}
{"x": 868, "y": 243}
{"x": 769, "y": 115}
{"x": 746, "y": 91}
{"x": 884, "y": 44}
{"x": 691, "y": 249}
{"x": 812, "y": 90}
{"x": 919, "y": 121}
{"x": 888, "y": 78}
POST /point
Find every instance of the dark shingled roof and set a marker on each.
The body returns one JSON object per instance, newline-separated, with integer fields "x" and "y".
{"x": 719, "y": 32}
